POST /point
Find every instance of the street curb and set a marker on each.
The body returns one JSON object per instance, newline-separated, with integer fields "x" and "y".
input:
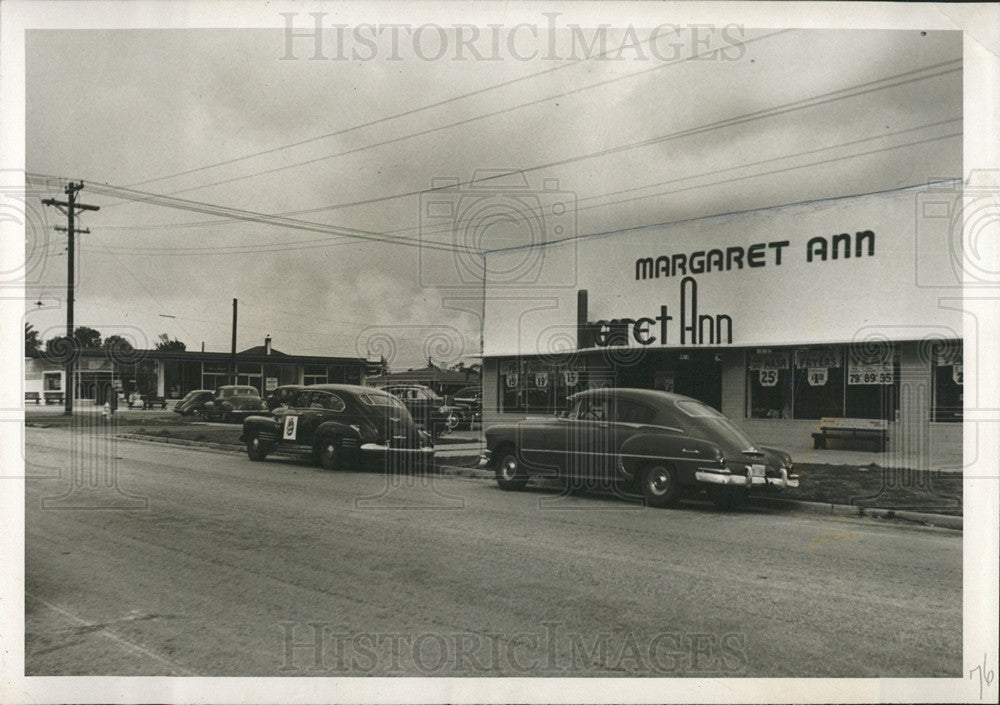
{"x": 945, "y": 521}
{"x": 454, "y": 467}
{"x": 205, "y": 445}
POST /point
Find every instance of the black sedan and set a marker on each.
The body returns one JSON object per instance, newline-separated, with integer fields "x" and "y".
{"x": 342, "y": 426}
{"x": 429, "y": 408}
{"x": 659, "y": 444}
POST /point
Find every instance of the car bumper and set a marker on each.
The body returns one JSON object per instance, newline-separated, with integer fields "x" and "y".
{"x": 386, "y": 457}
{"x": 715, "y": 476}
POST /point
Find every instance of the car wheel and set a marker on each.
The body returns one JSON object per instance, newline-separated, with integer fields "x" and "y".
{"x": 727, "y": 498}
{"x": 509, "y": 474}
{"x": 256, "y": 450}
{"x": 659, "y": 485}
{"x": 329, "y": 454}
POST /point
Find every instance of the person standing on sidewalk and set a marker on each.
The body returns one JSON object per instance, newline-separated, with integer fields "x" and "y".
{"x": 112, "y": 399}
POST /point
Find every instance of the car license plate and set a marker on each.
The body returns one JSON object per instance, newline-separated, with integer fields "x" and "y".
{"x": 757, "y": 471}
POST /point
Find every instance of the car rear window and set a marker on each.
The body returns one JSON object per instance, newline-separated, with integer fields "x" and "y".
{"x": 379, "y": 400}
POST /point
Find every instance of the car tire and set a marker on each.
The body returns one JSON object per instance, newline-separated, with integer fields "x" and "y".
{"x": 256, "y": 450}
{"x": 727, "y": 498}
{"x": 328, "y": 454}
{"x": 509, "y": 474}
{"x": 660, "y": 487}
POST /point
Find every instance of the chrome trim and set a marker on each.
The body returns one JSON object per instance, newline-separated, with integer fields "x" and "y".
{"x": 379, "y": 448}
{"x": 713, "y": 476}
{"x": 610, "y": 453}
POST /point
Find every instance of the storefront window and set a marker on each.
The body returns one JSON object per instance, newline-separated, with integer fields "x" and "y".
{"x": 314, "y": 374}
{"x": 770, "y": 379}
{"x": 872, "y": 382}
{"x": 818, "y": 383}
{"x": 948, "y": 384}
{"x": 538, "y": 386}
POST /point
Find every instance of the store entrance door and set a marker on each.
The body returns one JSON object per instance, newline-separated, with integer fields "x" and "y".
{"x": 696, "y": 374}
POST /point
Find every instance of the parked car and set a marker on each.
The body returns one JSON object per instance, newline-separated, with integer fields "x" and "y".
{"x": 282, "y": 396}
{"x": 341, "y": 426}
{"x": 658, "y": 444}
{"x": 232, "y": 402}
{"x": 193, "y": 403}
{"x": 429, "y": 408}
{"x": 472, "y": 399}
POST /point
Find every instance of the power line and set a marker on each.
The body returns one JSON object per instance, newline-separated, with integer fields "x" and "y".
{"x": 458, "y": 123}
{"x": 309, "y": 244}
{"x": 440, "y": 103}
{"x": 905, "y": 78}
{"x": 250, "y": 216}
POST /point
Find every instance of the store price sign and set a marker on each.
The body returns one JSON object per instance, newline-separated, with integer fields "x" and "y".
{"x": 878, "y": 373}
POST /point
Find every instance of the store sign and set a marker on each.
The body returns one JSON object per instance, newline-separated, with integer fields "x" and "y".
{"x": 783, "y": 277}
{"x": 571, "y": 378}
{"x": 541, "y": 380}
{"x": 871, "y": 373}
{"x": 769, "y": 361}
{"x": 817, "y": 376}
{"x": 271, "y": 384}
{"x": 291, "y": 426}
{"x": 768, "y": 378}
{"x": 511, "y": 380}
{"x": 817, "y": 357}
{"x": 956, "y": 373}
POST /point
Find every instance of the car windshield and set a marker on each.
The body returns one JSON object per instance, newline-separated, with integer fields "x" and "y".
{"x": 192, "y": 395}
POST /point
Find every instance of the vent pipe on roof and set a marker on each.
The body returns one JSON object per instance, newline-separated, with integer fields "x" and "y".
{"x": 267, "y": 345}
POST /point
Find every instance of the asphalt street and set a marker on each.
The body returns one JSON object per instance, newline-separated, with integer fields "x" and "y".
{"x": 149, "y": 559}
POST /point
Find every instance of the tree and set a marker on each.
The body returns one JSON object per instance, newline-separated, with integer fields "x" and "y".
{"x": 118, "y": 345}
{"x": 87, "y": 338}
{"x": 171, "y": 345}
{"x": 32, "y": 343}
{"x": 83, "y": 338}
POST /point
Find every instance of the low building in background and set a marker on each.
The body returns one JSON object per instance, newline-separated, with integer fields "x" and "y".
{"x": 172, "y": 374}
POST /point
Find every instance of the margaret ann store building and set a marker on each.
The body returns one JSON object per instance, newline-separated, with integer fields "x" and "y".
{"x": 778, "y": 318}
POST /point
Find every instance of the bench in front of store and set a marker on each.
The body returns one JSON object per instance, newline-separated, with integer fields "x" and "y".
{"x": 33, "y": 396}
{"x": 53, "y": 397}
{"x": 873, "y": 431}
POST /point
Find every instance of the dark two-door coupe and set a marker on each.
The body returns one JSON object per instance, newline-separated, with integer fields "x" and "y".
{"x": 342, "y": 426}
{"x": 662, "y": 445}
{"x": 233, "y": 402}
{"x": 193, "y": 403}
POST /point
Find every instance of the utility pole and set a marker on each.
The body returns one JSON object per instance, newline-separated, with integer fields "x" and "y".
{"x": 232, "y": 353}
{"x": 69, "y": 207}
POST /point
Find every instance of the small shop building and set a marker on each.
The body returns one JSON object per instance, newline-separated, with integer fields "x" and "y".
{"x": 783, "y": 318}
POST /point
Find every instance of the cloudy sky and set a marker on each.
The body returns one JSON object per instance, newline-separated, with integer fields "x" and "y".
{"x": 624, "y": 127}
